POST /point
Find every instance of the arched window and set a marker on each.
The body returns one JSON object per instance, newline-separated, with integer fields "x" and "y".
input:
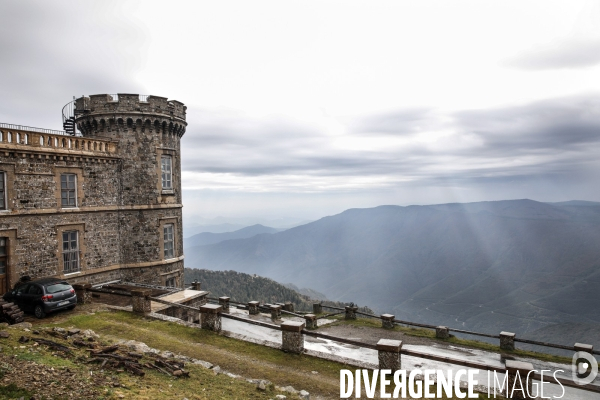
{"x": 18, "y": 138}
{"x": 26, "y": 138}
{"x": 9, "y": 137}
{"x": 41, "y": 140}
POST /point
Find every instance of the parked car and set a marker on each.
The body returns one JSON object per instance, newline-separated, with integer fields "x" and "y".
{"x": 43, "y": 296}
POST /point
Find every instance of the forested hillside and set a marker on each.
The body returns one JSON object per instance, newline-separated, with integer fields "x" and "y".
{"x": 519, "y": 265}
{"x": 244, "y": 288}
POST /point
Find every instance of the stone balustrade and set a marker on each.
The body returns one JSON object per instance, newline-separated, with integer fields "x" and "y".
{"x": 24, "y": 139}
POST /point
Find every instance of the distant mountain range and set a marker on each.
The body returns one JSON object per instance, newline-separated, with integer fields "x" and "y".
{"x": 205, "y": 238}
{"x": 517, "y": 265}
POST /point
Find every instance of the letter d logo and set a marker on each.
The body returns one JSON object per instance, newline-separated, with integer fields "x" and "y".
{"x": 585, "y": 368}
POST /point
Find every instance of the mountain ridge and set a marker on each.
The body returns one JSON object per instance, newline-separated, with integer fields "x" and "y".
{"x": 514, "y": 265}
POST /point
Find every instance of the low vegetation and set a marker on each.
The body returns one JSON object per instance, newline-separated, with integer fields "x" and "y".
{"x": 66, "y": 376}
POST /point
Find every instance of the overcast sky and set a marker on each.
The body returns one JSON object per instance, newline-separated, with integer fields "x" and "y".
{"x": 302, "y": 109}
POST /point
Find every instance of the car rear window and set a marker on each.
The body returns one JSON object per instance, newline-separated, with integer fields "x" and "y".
{"x": 57, "y": 287}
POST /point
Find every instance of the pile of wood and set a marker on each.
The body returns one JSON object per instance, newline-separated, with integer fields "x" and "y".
{"x": 10, "y": 312}
{"x": 114, "y": 358}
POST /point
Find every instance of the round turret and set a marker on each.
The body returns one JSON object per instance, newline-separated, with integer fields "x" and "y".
{"x": 110, "y": 115}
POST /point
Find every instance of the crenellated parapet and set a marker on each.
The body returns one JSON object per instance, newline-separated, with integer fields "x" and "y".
{"x": 110, "y": 113}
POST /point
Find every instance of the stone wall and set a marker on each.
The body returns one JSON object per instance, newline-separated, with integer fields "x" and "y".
{"x": 121, "y": 206}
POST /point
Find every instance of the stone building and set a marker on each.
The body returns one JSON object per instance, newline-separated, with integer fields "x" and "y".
{"x": 98, "y": 202}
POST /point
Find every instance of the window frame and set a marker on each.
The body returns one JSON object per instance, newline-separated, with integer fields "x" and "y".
{"x": 68, "y": 190}
{"x": 3, "y": 199}
{"x": 166, "y": 184}
{"x": 4, "y": 256}
{"x": 167, "y": 241}
{"x": 67, "y": 254}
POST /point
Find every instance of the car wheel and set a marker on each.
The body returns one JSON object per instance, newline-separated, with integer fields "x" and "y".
{"x": 39, "y": 311}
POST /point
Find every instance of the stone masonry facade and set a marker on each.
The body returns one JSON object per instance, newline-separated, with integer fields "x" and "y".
{"x": 98, "y": 206}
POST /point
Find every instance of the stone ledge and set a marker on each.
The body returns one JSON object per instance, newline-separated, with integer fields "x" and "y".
{"x": 393, "y": 346}
{"x": 292, "y": 326}
{"x": 513, "y": 365}
{"x": 210, "y": 308}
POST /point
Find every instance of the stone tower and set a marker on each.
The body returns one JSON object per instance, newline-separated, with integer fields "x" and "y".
{"x": 147, "y": 131}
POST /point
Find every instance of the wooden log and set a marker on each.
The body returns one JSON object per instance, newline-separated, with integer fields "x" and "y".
{"x": 133, "y": 368}
{"x": 53, "y": 345}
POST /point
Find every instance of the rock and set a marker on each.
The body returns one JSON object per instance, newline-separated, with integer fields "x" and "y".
{"x": 22, "y": 325}
{"x": 205, "y": 364}
{"x": 290, "y": 389}
{"x": 229, "y": 374}
{"x": 314, "y": 372}
{"x": 23, "y": 339}
{"x": 261, "y": 386}
{"x": 136, "y": 346}
{"x": 167, "y": 354}
{"x": 183, "y": 358}
{"x": 4, "y": 334}
{"x": 73, "y": 331}
{"x": 57, "y": 329}
{"x": 281, "y": 397}
{"x": 177, "y": 372}
{"x": 88, "y": 333}
{"x": 304, "y": 395}
{"x": 216, "y": 369}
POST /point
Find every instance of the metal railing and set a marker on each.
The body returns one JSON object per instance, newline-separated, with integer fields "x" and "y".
{"x": 32, "y": 129}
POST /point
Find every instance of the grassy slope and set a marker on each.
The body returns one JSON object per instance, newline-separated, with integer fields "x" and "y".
{"x": 246, "y": 359}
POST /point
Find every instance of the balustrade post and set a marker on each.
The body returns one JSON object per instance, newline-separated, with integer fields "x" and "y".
{"x": 224, "y": 301}
{"x": 140, "y": 301}
{"x": 84, "y": 296}
{"x": 210, "y": 318}
{"x": 292, "y": 340}
{"x": 275, "y": 312}
{"x": 253, "y": 308}
{"x": 507, "y": 341}
{"x": 387, "y": 321}
{"x": 518, "y": 386}
{"x": 442, "y": 332}
{"x": 317, "y": 308}
{"x": 311, "y": 321}
{"x": 389, "y": 354}
{"x": 351, "y": 312}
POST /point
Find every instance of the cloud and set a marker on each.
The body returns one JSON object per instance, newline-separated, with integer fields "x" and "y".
{"x": 49, "y": 49}
{"x": 560, "y": 55}
{"x": 554, "y": 137}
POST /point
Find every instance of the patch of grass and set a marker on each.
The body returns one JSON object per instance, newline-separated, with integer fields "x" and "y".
{"x": 246, "y": 359}
{"x": 233, "y": 355}
{"x": 12, "y": 391}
